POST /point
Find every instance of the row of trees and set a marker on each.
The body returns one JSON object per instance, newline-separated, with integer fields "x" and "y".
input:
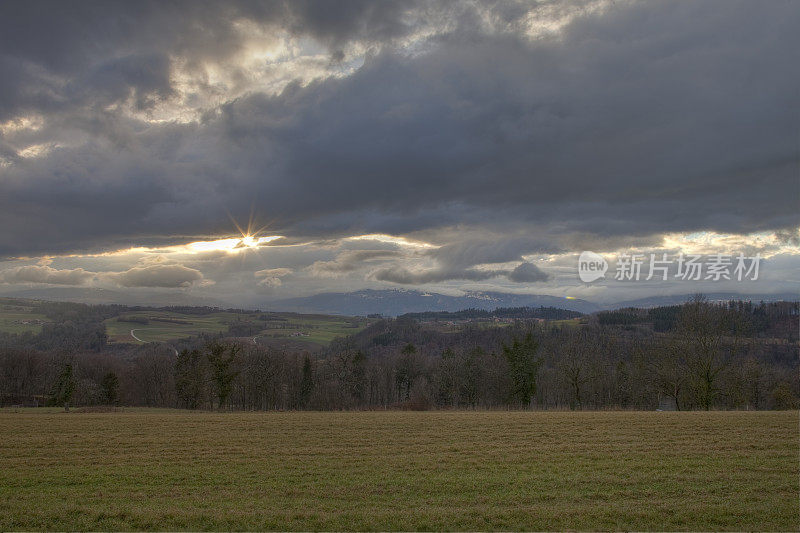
{"x": 708, "y": 361}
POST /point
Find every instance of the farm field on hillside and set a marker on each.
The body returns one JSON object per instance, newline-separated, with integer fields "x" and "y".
{"x": 140, "y": 469}
{"x": 160, "y": 326}
{"x": 316, "y": 329}
{"x": 16, "y": 317}
{"x": 264, "y": 328}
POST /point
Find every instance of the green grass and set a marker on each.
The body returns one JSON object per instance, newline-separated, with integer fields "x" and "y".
{"x": 317, "y": 330}
{"x": 569, "y": 323}
{"x": 154, "y": 331}
{"x": 13, "y": 318}
{"x": 399, "y": 470}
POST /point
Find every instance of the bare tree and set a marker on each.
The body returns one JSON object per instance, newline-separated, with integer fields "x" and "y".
{"x": 574, "y": 365}
{"x": 702, "y": 331}
{"x": 669, "y": 369}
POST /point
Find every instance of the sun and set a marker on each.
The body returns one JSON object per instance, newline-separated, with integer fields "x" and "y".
{"x": 230, "y": 245}
{"x": 249, "y": 238}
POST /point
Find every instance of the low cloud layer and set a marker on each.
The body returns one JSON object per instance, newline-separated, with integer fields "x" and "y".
{"x": 271, "y": 277}
{"x": 169, "y": 276}
{"x": 45, "y": 275}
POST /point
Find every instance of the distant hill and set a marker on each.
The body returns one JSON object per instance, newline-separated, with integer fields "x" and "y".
{"x": 91, "y": 295}
{"x": 677, "y": 299}
{"x": 395, "y": 302}
{"x": 389, "y": 302}
{"x": 549, "y": 313}
{"x": 399, "y": 302}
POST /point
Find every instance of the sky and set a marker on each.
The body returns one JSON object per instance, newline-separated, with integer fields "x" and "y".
{"x": 246, "y": 152}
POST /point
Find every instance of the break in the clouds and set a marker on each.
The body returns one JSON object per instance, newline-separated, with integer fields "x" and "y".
{"x": 448, "y": 144}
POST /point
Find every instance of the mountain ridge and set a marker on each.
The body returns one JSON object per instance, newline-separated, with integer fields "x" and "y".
{"x": 387, "y": 302}
{"x": 394, "y": 302}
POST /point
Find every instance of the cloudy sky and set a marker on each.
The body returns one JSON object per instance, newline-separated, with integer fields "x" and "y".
{"x": 252, "y": 151}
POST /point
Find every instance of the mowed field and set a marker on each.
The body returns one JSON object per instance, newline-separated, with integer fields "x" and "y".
{"x": 170, "y": 470}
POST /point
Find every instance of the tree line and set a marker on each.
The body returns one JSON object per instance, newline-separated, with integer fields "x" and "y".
{"x": 711, "y": 357}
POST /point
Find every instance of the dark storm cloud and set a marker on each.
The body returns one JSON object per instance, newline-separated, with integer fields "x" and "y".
{"x": 592, "y": 131}
{"x": 645, "y": 118}
{"x": 47, "y": 47}
{"x": 145, "y": 77}
{"x": 336, "y": 23}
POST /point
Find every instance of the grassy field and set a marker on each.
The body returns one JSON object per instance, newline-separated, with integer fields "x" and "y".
{"x": 316, "y": 329}
{"x": 16, "y": 317}
{"x": 399, "y": 470}
{"x": 272, "y": 328}
{"x": 157, "y": 331}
